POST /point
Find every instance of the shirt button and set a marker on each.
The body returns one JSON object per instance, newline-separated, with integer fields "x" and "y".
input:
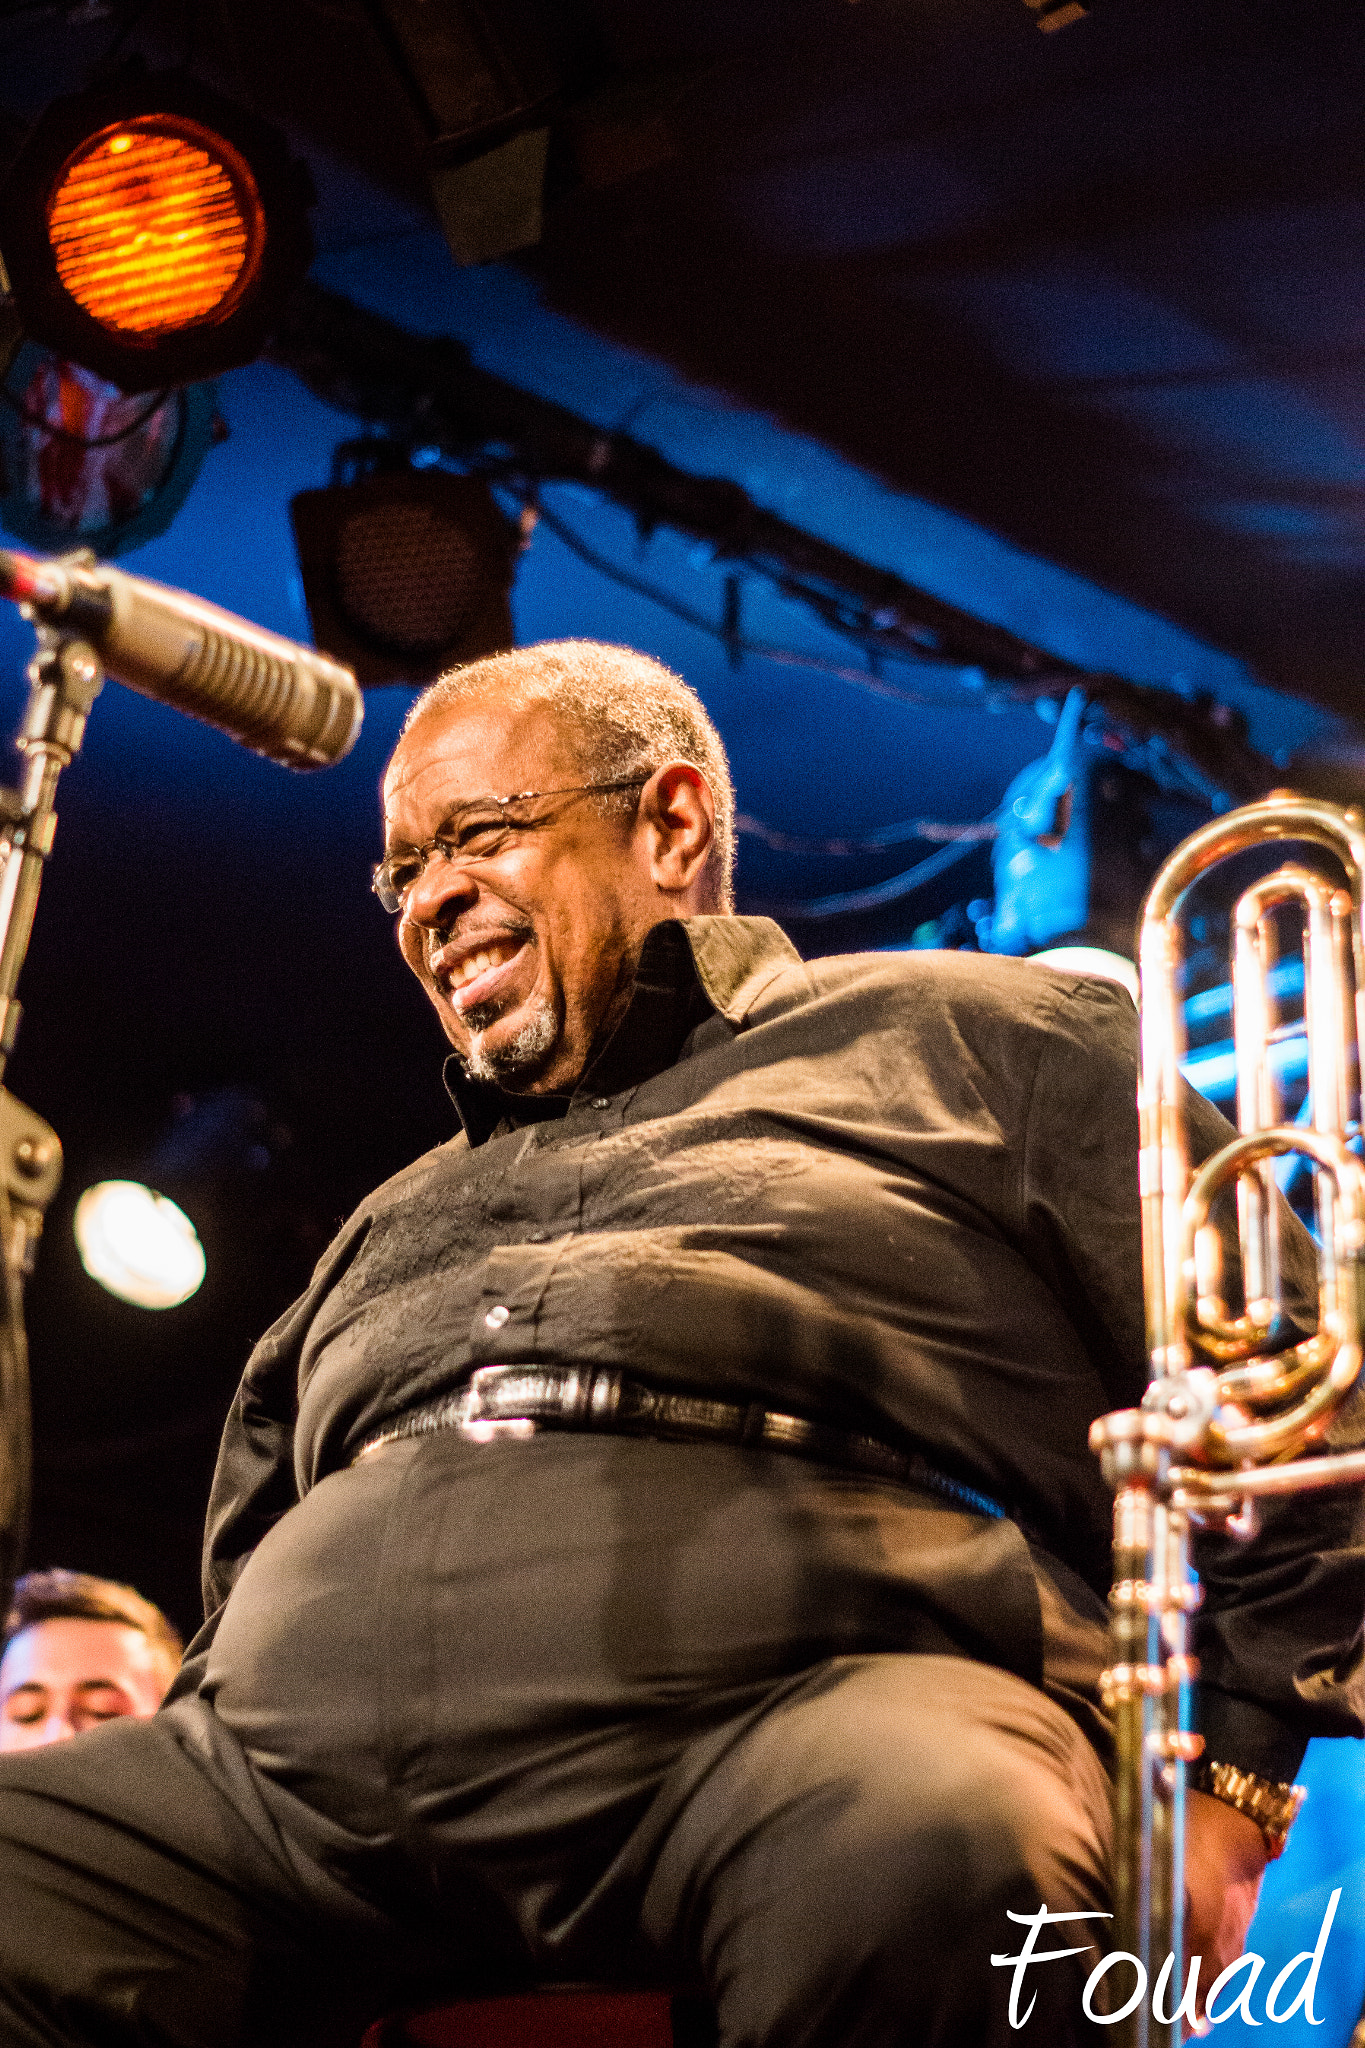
{"x": 496, "y": 1317}
{"x": 601, "y": 1102}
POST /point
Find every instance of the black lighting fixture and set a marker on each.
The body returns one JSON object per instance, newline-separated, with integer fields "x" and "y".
{"x": 151, "y": 231}
{"x": 482, "y": 91}
{"x": 406, "y": 571}
{"x": 507, "y": 97}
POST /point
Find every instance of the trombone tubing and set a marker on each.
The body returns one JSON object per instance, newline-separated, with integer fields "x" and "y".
{"x": 1163, "y": 1166}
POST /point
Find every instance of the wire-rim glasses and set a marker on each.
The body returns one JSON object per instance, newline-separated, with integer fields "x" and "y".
{"x": 476, "y": 831}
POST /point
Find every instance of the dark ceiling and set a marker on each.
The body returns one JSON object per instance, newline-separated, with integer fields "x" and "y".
{"x": 1103, "y": 291}
{"x": 1066, "y": 328}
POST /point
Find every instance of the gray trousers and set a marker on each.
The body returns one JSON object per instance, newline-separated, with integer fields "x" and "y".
{"x": 579, "y": 1709}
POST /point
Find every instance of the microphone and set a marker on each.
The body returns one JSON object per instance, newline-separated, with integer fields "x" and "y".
{"x": 285, "y": 701}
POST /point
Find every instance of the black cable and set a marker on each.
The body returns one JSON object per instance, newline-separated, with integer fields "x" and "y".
{"x": 965, "y": 839}
{"x": 759, "y": 649}
{"x": 890, "y": 891}
{"x": 842, "y": 616}
{"x": 587, "y": 553}
{"x": 876, "y": 842}
{"x": 1120, "y": 703}
{"x": 34, "y": 419}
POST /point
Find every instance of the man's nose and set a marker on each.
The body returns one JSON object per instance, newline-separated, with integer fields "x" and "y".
{"x": 444, "y": 888}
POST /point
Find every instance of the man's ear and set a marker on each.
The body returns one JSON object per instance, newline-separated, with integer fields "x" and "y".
{"x": 678, "y": 815}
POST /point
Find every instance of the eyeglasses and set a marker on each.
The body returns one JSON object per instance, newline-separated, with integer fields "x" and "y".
{"x": 477, "y": 831}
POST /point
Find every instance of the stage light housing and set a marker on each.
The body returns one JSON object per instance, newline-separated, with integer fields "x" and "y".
{"x": 83, "y": 464}
{"x": 151, "y": 231}
{"x": 138, "y": 1245}
{"x": 406, "y": 572}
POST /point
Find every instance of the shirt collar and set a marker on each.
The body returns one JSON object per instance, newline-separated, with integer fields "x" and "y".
{"x": 688, "y": 969}
{"x": 736, "y": 959}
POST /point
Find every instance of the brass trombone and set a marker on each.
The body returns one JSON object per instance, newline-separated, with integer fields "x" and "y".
{"x": 1230, "y": 1404}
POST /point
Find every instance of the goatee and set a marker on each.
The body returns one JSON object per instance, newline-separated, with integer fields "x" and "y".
{"x": 520, "y": 1055}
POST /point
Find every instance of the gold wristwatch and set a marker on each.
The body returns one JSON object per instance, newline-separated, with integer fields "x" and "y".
{"x": 1273, "y": 1807}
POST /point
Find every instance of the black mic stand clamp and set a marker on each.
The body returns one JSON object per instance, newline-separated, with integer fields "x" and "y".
{"x": 65, "y": 677}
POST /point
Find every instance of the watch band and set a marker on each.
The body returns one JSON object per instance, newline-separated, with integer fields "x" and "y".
{"x": 1272, "y": 1806}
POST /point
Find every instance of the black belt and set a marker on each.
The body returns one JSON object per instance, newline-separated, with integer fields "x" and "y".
{"x": 516, "y": 1401}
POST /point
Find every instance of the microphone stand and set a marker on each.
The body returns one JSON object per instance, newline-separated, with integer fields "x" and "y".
{"x": 65, "y": 677}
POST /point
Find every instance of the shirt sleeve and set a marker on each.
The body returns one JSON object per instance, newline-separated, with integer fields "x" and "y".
{"x": 1281, "y": 1634}
{"x": 254, "y": 1482}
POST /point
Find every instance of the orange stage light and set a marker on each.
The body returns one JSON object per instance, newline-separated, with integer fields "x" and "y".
{"x": 156, "y": 225}
{"x": 152, "y": 231}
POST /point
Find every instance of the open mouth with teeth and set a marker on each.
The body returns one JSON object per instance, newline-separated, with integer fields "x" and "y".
{"x": 475, "y": 978}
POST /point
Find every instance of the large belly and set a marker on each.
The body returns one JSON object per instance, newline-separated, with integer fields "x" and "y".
{"x": 431, "y": 1625}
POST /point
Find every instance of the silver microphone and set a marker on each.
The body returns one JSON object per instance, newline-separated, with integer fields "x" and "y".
{"x": 288, "y": 702}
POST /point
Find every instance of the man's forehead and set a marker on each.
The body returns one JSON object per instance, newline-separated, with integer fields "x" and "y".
{"x": 476, "y": 747}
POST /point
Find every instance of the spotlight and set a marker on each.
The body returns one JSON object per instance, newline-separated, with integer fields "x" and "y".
{"x": 151, "y": 231}
{"x": 406, "y": 572}
{"x": 84, "y": 465}
{"x": 138, "y": 1245}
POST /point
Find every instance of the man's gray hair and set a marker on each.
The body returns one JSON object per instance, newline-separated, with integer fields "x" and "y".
{"x": 629, "y": 715}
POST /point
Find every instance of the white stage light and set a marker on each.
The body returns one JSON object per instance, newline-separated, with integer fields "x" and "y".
{"x": 138, "y": 1244}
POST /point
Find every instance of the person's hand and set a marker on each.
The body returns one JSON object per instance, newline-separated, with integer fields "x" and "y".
{"x": 1225, "y": 1859}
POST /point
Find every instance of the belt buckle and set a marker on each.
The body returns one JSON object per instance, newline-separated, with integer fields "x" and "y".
{"x": 487, "y": 1429}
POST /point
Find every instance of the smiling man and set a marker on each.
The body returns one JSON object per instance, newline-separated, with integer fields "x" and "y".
{"x": 661, "y": 1546}
{"x": 524, "y": 907}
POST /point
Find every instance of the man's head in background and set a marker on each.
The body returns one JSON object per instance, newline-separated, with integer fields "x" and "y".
{"x": 77, "y": 1651}
{"x": 543, "y": 810}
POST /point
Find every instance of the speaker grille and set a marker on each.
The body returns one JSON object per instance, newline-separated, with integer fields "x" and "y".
{"x": 406, "y": 573}
{"x": 408, "y": 577}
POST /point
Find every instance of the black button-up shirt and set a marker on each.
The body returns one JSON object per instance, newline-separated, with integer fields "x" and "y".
{"x": 896, "y": 1192}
